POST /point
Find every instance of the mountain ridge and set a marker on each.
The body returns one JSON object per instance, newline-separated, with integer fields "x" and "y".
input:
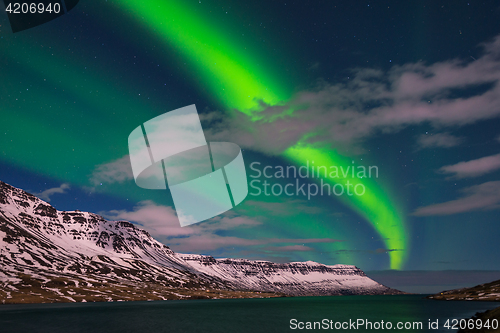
{"x": 486, "y": 292}
{"x": 483, "y": 292}
{"x": 48, "y": 255}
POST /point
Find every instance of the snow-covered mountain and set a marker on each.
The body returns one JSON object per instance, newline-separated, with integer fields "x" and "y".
{"x": 48, "y": 255}
{"x": 296, "y": 278}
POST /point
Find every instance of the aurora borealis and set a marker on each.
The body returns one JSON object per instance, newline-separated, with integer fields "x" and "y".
{"x": 237, "y": 83}
{"x": 289, "y": 82}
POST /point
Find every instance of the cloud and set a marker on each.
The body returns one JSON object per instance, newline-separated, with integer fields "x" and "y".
{"x": 377, "y": 251}
{"x": 473, "y": 168}
{"x": 162, "y": 223}
{"x": 287, "y": 208}
{"x": 313, "y": 67}
{"x": 118, "y": 170}
{"x": 343, "y": 115}
{"x": 156, "y": 219}
{"x": 290, "y": 248}
{"x": 210, "y": 241}
{"x": 485, "y": 196}
{"x": 381, "y": 251}
{"x": 45, "y": 195}
{"x": 442, "y": 140}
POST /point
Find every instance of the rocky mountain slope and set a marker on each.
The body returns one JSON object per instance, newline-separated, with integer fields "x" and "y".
{"x": 485, "y": 321}
{"x": 483, "y": 292}
{"x": 48, "y": 255}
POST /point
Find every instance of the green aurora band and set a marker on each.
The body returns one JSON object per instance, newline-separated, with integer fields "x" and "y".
{"x": 37, "y": 124}
{"x": 214, "y": 60}
{"x": 374, "y": 205}
{"x": 224, "y": 66}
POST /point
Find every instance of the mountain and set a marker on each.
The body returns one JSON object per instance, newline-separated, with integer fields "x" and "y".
{"x": 488, "y": 321}
{"x": 483, "y": 292}
{"x": 48, "y": 255}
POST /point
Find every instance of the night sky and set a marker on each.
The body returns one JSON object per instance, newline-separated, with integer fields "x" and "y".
{"x": 409, "y": 87}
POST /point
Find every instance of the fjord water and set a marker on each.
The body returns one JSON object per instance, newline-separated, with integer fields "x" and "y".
{"x": 231, "y": 315}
